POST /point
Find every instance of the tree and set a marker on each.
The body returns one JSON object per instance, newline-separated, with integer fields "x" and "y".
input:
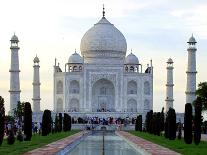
{"x": 179, "y": 130}
{"x": 202, "y": 93}
{"x": 56, "y": 123}
{"x": 27, "y": 121}
{"x": 197, "y": 121}
{"x": 60, "y": 128}
{"x": 188, "y": 123}
{"x": 66, "y": 122}
{"x": 166, "y": 126}
{"x": 19, "y": 111}
{"x": 70, "y": 123}
{"x": 148, "y": 121}
{"x": 2, "y": 119}
{"x": 138, "y": 124}
{"x": 158, "y": 123}
{"x": 162, "y": 120}
{"x": 171, "y": 124}
{"x": 11, "y": 138}
{"x": 46, "y": 122}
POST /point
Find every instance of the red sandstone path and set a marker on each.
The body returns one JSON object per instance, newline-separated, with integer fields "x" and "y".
{"x": 55, "y": 147}
{"x": 150, "y": 147}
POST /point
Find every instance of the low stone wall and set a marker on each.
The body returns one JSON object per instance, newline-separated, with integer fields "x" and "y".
{"x": 112, "y": 126}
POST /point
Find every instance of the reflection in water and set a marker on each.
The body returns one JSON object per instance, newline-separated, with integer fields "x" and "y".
{"x": 114, "y": 145}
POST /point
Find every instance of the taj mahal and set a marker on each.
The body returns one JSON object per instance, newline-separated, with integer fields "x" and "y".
{"x": 103, "y": 78}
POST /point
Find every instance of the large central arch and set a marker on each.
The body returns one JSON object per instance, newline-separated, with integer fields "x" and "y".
{"x": 103, "y": 96}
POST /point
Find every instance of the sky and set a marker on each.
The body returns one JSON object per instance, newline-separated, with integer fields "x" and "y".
{"x": 53, "y": 29}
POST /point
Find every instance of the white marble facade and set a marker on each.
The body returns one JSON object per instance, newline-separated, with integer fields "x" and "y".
{"x": 103, "y": 79}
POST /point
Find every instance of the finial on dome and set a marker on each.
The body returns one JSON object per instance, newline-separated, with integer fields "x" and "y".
{"x": 131, "y": 50}
{"x": 103, "y": 11}
{"x": 75, "y": 50}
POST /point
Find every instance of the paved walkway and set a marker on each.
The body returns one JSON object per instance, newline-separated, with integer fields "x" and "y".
{"x": 150, "y": 147}
{"x": 55, "y": 147}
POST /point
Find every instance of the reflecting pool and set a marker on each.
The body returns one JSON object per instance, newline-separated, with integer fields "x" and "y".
{"x": 113, "y": 145}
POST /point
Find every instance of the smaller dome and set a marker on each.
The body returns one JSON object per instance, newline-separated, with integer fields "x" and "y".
{"x": 36, "y": 60}
{"x": 14, "y": 38}
{"x": 75, "y": 58}
{"x": 192, "y": 40}
{"x": 169, "y": 61}
{"x": 131, "y": 59}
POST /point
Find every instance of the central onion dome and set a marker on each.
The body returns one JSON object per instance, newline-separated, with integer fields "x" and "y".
{"x": 103, "y": 40}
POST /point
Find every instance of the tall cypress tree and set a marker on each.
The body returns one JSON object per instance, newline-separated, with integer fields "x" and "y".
{"x": 166, "y": 126}
{"x": 66, "y": 122}
{"x": 171, "y": 124}
{"x": 56, "y": 123}
{"x": 158, "y": 123}
{"x": 49, "y": 122}
{"x": 60, "y": 122}
{"x": 140, "y": 123}
{"x": 136, "y": 123}
{"x": 197, "y": 120}
{"x": 27, "y": 121}
{"x": 2, "y": 119}
{"x": 70, "y": 123}
{"x": 46, "y": 122}
{"x": 188, "y": 123}
{"x": 162, "y": 120}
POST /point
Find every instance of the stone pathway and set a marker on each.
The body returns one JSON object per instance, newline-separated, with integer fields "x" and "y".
{"x": 150, "y": 147}
{"x": 55, "y": 147}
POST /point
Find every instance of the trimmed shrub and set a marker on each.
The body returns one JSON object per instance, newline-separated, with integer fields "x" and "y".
{"x": 188, "y": 123}
{"x": 11, "y": 138}
{"x": 20, "y": 136}
{"x": 2, "y": 119}
{"x": 179, "y": 130}
{"x": 148, "y": 121}
{"x": 166, "y": 127}
{"x": 138, "y": 125}
{"x": 197, "y": 121}
{"x": 171, "y": 124}
{"x": 60, "y": 126}
{"x": 66, "y": 122}
{"x": 50, "y": 122}
{"x": 162, "y": 120}
{"x": 157, "y": 123}
{"x": 56, "y": 123}
{"x": 70, "y": 123}
{"x": 27, "y": 121}
{"x": 46, "y": 122}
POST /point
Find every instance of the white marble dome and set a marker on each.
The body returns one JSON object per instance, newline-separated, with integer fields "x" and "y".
{"x": 75, "y": 58}
{"x": 103, "y": 39}
{"x": 131, "y": 59}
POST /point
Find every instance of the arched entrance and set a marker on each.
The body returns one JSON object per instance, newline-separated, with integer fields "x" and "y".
{"x": 103, "y": 96}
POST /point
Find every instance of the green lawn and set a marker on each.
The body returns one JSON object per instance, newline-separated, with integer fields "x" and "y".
{"x": 176, "y": 145}
{"x": 36, "y": 142}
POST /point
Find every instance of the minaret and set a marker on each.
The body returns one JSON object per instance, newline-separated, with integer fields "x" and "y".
{"x": 14, "y": 74}
{"x": 191, "y": 71}
{"x": 36, "y": 86}
{"x": 169, "y": 86}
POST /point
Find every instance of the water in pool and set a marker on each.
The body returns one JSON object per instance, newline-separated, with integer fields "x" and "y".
{"x": 113, "y": 145}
